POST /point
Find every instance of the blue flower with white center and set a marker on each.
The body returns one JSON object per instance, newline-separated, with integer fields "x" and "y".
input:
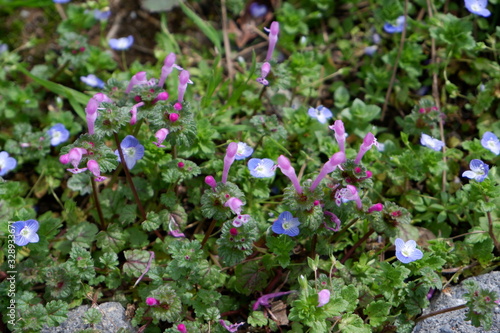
{"x": 58, "y": 134}
{"x": 321, "y": 113}
{"x": 121, "y": 44}
{"x": 261, "y": 168}
{"x": 132, "y": 151}
{"x": 243, "y": 151}
{"x": 25, "y": 232}
{"x": 286, "y": 224}
{"x": 392, "y": 29}
{"x": 478, "y": 7}
{"x": 478, "y": 170}
{"x": 61, "y": 1}
{"x": 6, "y": 163}
{"x": 431, "y": 143}
{"x": 490, "y": 142}
{"x": 407, "y": 252}
{"x": 92, "y": 81}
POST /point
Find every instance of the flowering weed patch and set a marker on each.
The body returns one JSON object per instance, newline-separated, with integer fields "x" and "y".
{"x": 192, "y": 179}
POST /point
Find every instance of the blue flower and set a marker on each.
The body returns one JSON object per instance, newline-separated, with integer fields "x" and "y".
{"x": 431, "y": 143}
{"x": 92, "y": 81}
{"x": 58, "y": 134}
{"x": 243, "y": 151}
{"x": 478, "y": 7}
{"x": 120, "y": 44}
{"x": 400, "y": 23}
{"x": 25, "y": 232}
{"x": 286, "y": 224}
{"x": 407, "y": 252}
{"x": 490, "y": 142}
{"x": 6, "y": 163}
{"x": 261, "y": 168}
{"x": 132, "y": 151}
{"x": 61, "y": 1}
{"x": 257, "y": 10}
{"x": 101, "y": 15}
{"x": 478, "y": 170}
{"x": 321, "y": 113}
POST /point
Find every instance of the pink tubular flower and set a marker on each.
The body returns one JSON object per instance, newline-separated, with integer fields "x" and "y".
{"x": 337, "y": 159}
{"x": 178, "y": 106}
{"x": 368, "y": 142}
{"x": 234, "y": 204}
{"x": 173, "y": 117}
{"x": 232, "y": 327}
{"x": 137, "y": 79}
{"x": 323, "y": 297}
{"x": 152, "y": 301}
{"x": 289, "y": 171}
{"x": 350, "y": 192}
{"x": 167, "y": 68}
{"x": 160, "y": 136}
{"x": 210, "y": 181}
{"x": 378, "y": 207}
{"x": 264, "y": 71}
{"x": 176, "y": 233}
{"x": 64, "y": 159}
{"x": 338, "y": 128}
{"x": 133, "y": 111}
{"x": 334, "y": 219}
{"x": 264, "y": 299}
{"x": 163, "y": 96}
{"x": 74, "y": 157}
{"x": 182, "y": 328}
{"x": 183, "y": 82}
{"x": 231, "y": 151}
{"x": 92, "y": 107}
{"x": 93, "y": 167}
{"x": 273, "y": 39}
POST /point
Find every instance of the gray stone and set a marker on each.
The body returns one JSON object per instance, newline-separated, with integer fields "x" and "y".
{"x": 113, "y": 319}
{"x": 455, "y": 321}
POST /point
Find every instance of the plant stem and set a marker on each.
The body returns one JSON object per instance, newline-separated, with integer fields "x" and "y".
{"x": 129, "y": 178}
{"x": 355, "y": 246}
{"x": 208, "y": 233}
{"x": 490, "y": 228}
{"x": 396, "y": 63}
{"x": 432, "y": 314}
{"x": 97, "y": 203}
{"x": 313, "y": 246}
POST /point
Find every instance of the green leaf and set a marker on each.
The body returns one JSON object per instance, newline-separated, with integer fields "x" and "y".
{"x": 113, "y": 239}
{"x": 207, "y": 29}
{"x": 250, "y": 277}
{"x": 257, "y": 319}
{"x": 377, "y": 312}
{"x": 281, "y": 246}
{"x": 341, "y": 97}
{"x": 56, "y": 312}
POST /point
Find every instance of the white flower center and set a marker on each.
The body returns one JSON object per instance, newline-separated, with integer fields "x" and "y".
{"x": 406, "y": 251}
{"x": 129, "y": 151}
{"x": 286, "y": 225}
{"x": 25, "y": 231}
{"x": 491, "y": 144}
{"x": 475, "y": 7}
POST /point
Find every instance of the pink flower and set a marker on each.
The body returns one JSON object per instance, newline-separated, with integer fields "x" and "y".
{"x": 231, "y": 151}
{"x": 273, "y": 39}
{"x": 323, "y": 297}
{"x": 176, "y": 233}
{"x": 92, "y": 107}
{"x": 338, "y": 128}
{"x": 133, "y": 111}
{"x": 350, "y": 192}
{"x": 378, "y": 207}
{"x": 183, "y": 82}
{"x": 152, "y": 301}
{"x": 167, "y": 68}
{"x": 163, "y": 96}
{"x": 182, "y": 328}
{"x": 337, "y": 159}
{"x": 137, "y": 79}
{"x": 368, "y": 142}
{"x": 232, "y": 327}
{"x": 178, "y": 106}
{"x": 64, "y": 159}
{"x": 334, "y": 219}
{"x": 289, "y": 171}
{"x": 210, "y": 181}
{"x": 74, "y": 157}
{"x": 160, "y": 136}
{"x": 240, "y": 220}
{"x": 234, "y": 204}
{"x": 93, "y": 167}
{"x": 264, "y": 71}
{"x": 173, "y": 117}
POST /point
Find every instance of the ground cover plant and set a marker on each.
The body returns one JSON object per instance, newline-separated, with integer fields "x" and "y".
{"x": 248, "y": 166}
